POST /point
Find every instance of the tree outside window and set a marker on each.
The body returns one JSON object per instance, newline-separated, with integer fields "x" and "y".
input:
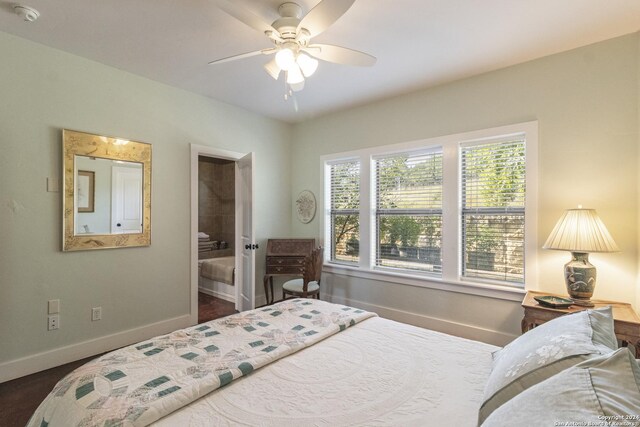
{"x": 409, "y": 211}
{"x": 345, "y": 211}
{"x": 493, "y": 196}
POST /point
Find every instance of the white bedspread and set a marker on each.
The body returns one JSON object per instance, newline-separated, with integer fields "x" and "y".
{"x": 141, "y": 383}
{"x": 378, "y": 373}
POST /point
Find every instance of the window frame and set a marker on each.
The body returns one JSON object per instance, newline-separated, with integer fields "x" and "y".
{"x": 329, "y": 254}
{"x": 463, "y": 145}
{"x": 451, "y": 279}
{"x": 376, "y": 212}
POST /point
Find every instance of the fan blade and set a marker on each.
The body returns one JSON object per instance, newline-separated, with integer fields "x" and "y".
{"x": 340, "y": 55}
{"x": 323, "y": 15}
{"x": 244, "y": 55}
{"x": 245, "y": 16}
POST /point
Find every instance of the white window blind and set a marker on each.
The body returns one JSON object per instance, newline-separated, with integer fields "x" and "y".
{"x": 344, "y": 211}
{"x": 493, "y": 209}
{"x": 409, "y": 211}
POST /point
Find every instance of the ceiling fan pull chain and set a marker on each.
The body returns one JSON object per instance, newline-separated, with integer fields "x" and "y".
{"x": 288, "y": 93}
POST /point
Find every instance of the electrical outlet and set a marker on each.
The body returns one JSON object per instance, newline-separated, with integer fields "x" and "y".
{"x": 54, "y": 322}
{"x": 96, "y": 313}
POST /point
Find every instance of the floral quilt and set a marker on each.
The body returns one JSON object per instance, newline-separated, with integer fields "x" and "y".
{"x": 142, "y": 383}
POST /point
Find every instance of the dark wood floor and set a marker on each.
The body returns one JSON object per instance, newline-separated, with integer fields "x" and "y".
{"x": 19, "y": 398}
{"x": 210, "y": 308}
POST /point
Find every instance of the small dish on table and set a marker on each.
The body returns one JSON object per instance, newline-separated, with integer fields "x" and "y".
{"x": 553, "y": 301}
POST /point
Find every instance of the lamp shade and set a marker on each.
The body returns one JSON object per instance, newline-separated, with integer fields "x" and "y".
{"x": 272, "y": 69}
{"x": 307, "y": 64}
{"x": 294, "y": 76}
{"x": 581, "y": 230}
{"x": 285, "y": 58}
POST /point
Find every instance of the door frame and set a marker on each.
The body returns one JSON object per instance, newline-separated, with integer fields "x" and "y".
{"x": 245, "y": 248}
{"x": 196, "y": 152}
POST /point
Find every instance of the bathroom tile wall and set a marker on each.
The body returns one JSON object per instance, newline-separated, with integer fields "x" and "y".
{"x": 216, "y": 200}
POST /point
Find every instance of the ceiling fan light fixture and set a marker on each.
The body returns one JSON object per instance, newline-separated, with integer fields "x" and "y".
{"x": 307, "y": 64}
{"x": 291, "y": 36}
{"x": 285, "y": 58}
{"x": 297, "y": 87}
{"x": 272, "y": 69}
{"x": 294, "y": 75}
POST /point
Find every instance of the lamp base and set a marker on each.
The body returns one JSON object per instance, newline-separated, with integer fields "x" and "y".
{"x": 583, "y": 302}
{"x": 580, "y": 278}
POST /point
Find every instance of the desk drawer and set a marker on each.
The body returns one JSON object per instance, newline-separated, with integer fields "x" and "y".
{"x": 285, "y": 261}
{"x": 284, "y": 269}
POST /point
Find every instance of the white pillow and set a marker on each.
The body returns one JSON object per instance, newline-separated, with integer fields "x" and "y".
{"x": 544, "y": 351}
{"x": 599, "y": 391}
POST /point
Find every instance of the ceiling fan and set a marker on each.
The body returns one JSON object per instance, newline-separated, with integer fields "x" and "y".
{"x": 291, "y": 35}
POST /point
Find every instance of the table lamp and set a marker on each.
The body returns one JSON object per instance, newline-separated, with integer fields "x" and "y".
{"x": 580, "y": 231}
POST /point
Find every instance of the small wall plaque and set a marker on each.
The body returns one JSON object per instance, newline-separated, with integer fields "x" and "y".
{"x": 306, "y": 206}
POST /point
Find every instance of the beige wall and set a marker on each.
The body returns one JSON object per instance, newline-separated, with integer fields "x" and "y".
{"x": 42, "y": 91}
{"x": 638, "y": 172}
{"x": 586, "y": 103}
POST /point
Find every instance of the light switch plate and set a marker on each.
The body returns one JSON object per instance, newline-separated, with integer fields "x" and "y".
{"x": 96, "y": 313}
{"x": 54, "y": 306}
{"x": 53, "y": 185}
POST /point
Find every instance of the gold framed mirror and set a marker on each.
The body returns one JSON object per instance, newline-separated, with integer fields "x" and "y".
{"x": 107, "y": 192}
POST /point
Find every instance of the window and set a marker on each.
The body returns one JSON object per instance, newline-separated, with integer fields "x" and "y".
{"x": 453, "y": 212}
{"x": 493, "y": 209}
{"x": 344, "y": 211}
{"x": 409, "y": 211}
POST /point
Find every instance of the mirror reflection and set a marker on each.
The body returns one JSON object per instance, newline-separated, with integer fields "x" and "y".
{"x": 107, "y": 192}
{"x": 108, "y": 196}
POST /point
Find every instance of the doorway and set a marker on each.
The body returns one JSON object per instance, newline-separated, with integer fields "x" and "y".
{"x": 216, "y": 237}
{"x": 222, "y": 255}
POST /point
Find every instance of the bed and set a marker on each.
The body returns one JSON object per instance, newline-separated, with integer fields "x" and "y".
{"x": 308, "y": 362}
{"x": 216, "y": 277}
{"x": 378, "y": 373}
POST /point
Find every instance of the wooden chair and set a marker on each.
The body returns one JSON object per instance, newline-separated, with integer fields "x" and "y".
{"x": 309, "y": 285}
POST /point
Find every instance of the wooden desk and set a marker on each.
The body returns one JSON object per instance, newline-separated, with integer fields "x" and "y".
{"x": 625, "y": 320}
{"x": 285, "y": 257}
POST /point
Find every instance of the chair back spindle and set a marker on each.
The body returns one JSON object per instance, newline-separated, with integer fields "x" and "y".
{"x": 312, "y": 272}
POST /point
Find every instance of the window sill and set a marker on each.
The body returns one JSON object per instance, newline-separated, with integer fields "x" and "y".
{"x": 503, "y": 292}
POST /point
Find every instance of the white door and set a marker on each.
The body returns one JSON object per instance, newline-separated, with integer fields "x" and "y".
{"x": 126, "y": 200}
{"x": 245, "y": 248}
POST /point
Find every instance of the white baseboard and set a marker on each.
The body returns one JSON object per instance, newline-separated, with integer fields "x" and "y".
{"x": 441, "y": 325}
{"x": 260, "y": 300}
{"x": 221, "y": 295}
{"x": 39, "y": 362}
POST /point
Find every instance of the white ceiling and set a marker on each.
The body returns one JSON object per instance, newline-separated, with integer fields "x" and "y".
{"x": 418, "y": 43}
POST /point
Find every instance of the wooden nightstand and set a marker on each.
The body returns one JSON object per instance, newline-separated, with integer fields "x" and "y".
{"x": 626, "y": 321}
